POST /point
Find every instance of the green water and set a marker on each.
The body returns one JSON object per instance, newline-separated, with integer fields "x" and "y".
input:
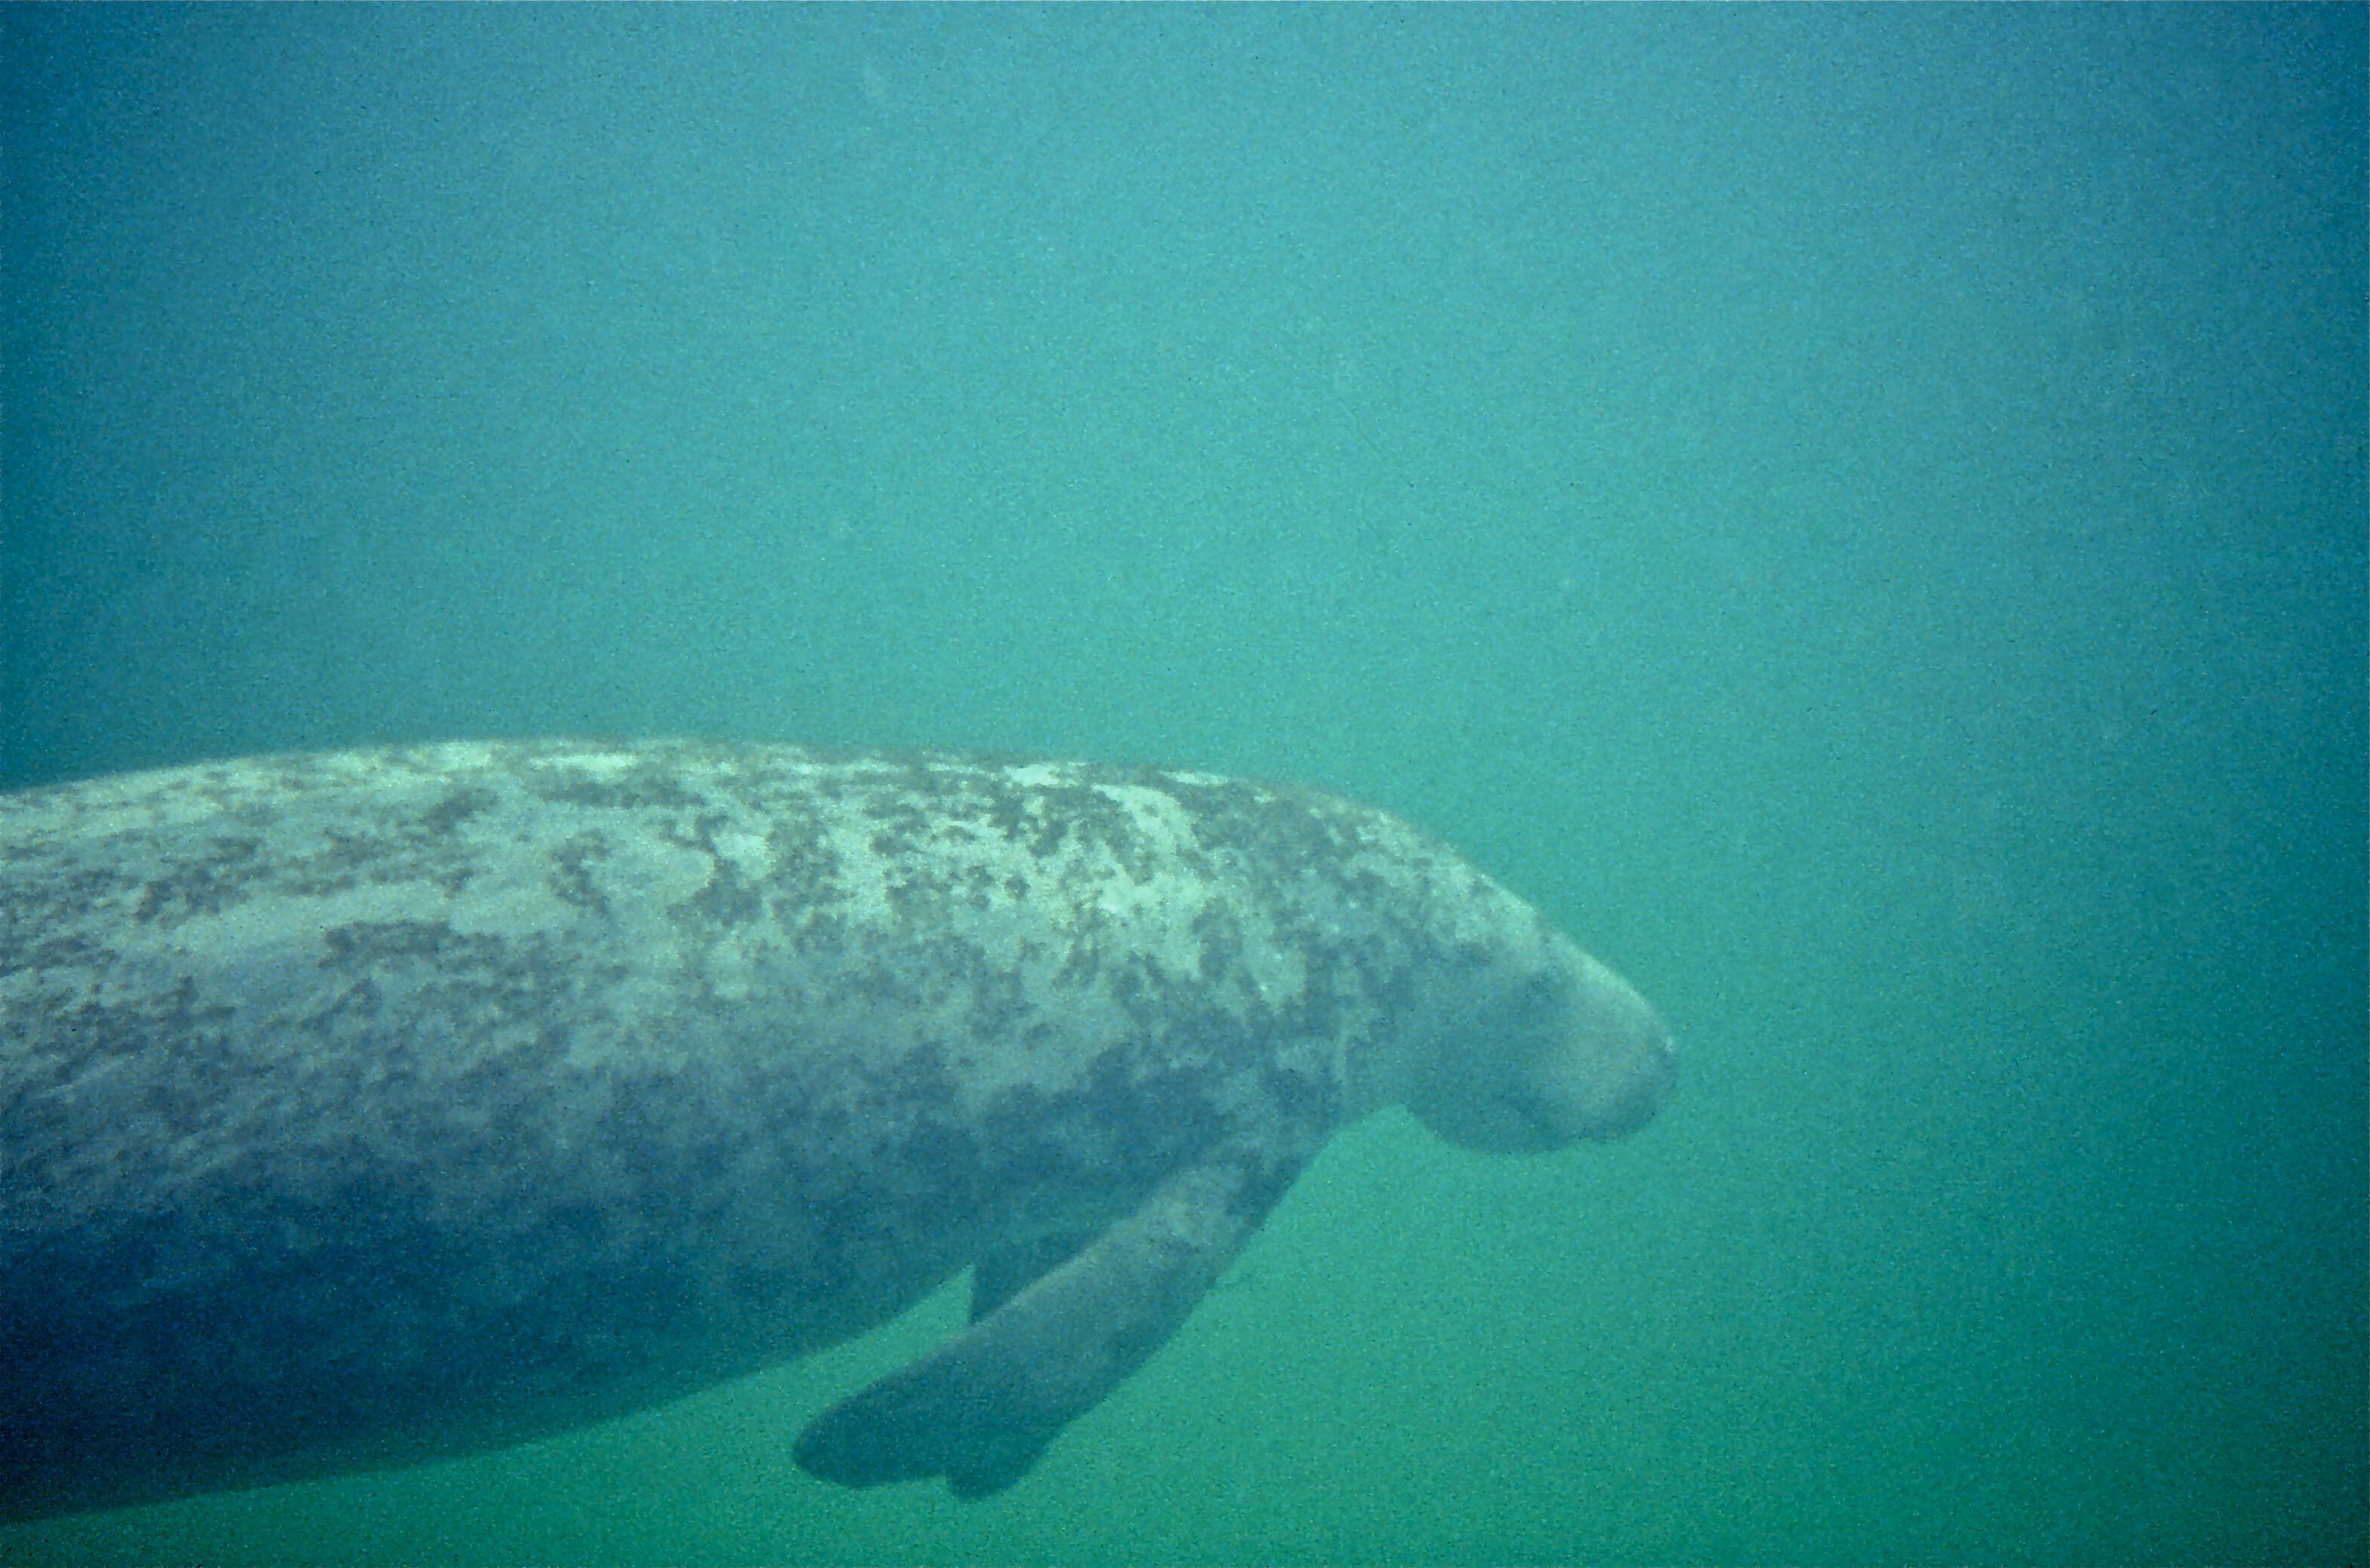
{"x": 1859, "y": 513}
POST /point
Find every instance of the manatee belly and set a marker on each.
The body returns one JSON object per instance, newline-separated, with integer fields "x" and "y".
{"x": 231, "y": 1270}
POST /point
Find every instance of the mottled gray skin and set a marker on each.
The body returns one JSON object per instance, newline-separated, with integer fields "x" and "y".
{"x": 362, "y": 1108}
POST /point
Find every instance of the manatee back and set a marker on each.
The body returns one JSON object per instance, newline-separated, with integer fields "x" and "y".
{"x": 352, "y": 1110}
{"x": 361, "y": 1107}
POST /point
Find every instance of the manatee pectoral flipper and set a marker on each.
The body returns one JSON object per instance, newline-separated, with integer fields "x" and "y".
{"x": 1007, "y": 1271}
{"x": 981, "y": 1408}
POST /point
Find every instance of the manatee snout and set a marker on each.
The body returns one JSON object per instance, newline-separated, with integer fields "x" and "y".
{"x": 1569, "y": 1051}
{"x": 1615, "y": 1064}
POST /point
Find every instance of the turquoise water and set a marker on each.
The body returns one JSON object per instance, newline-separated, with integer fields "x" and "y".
{"x": 1859, "y": 513}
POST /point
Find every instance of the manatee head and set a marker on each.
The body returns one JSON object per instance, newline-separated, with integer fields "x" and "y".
{"x": 1552, "y": 1049}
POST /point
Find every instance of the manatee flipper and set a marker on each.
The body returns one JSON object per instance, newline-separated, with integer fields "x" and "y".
{"x": 1005, "y": 1272}
{"x": 981, "y": 1407}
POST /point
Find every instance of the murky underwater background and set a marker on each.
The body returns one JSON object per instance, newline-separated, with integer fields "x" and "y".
{"x": 1859, "y": 514}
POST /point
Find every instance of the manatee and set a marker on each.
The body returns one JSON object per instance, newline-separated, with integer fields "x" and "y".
{"x": 363, "y": 1108}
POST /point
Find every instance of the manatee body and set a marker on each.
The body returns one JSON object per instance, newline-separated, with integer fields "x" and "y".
{"x": 365, "y": 1107}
